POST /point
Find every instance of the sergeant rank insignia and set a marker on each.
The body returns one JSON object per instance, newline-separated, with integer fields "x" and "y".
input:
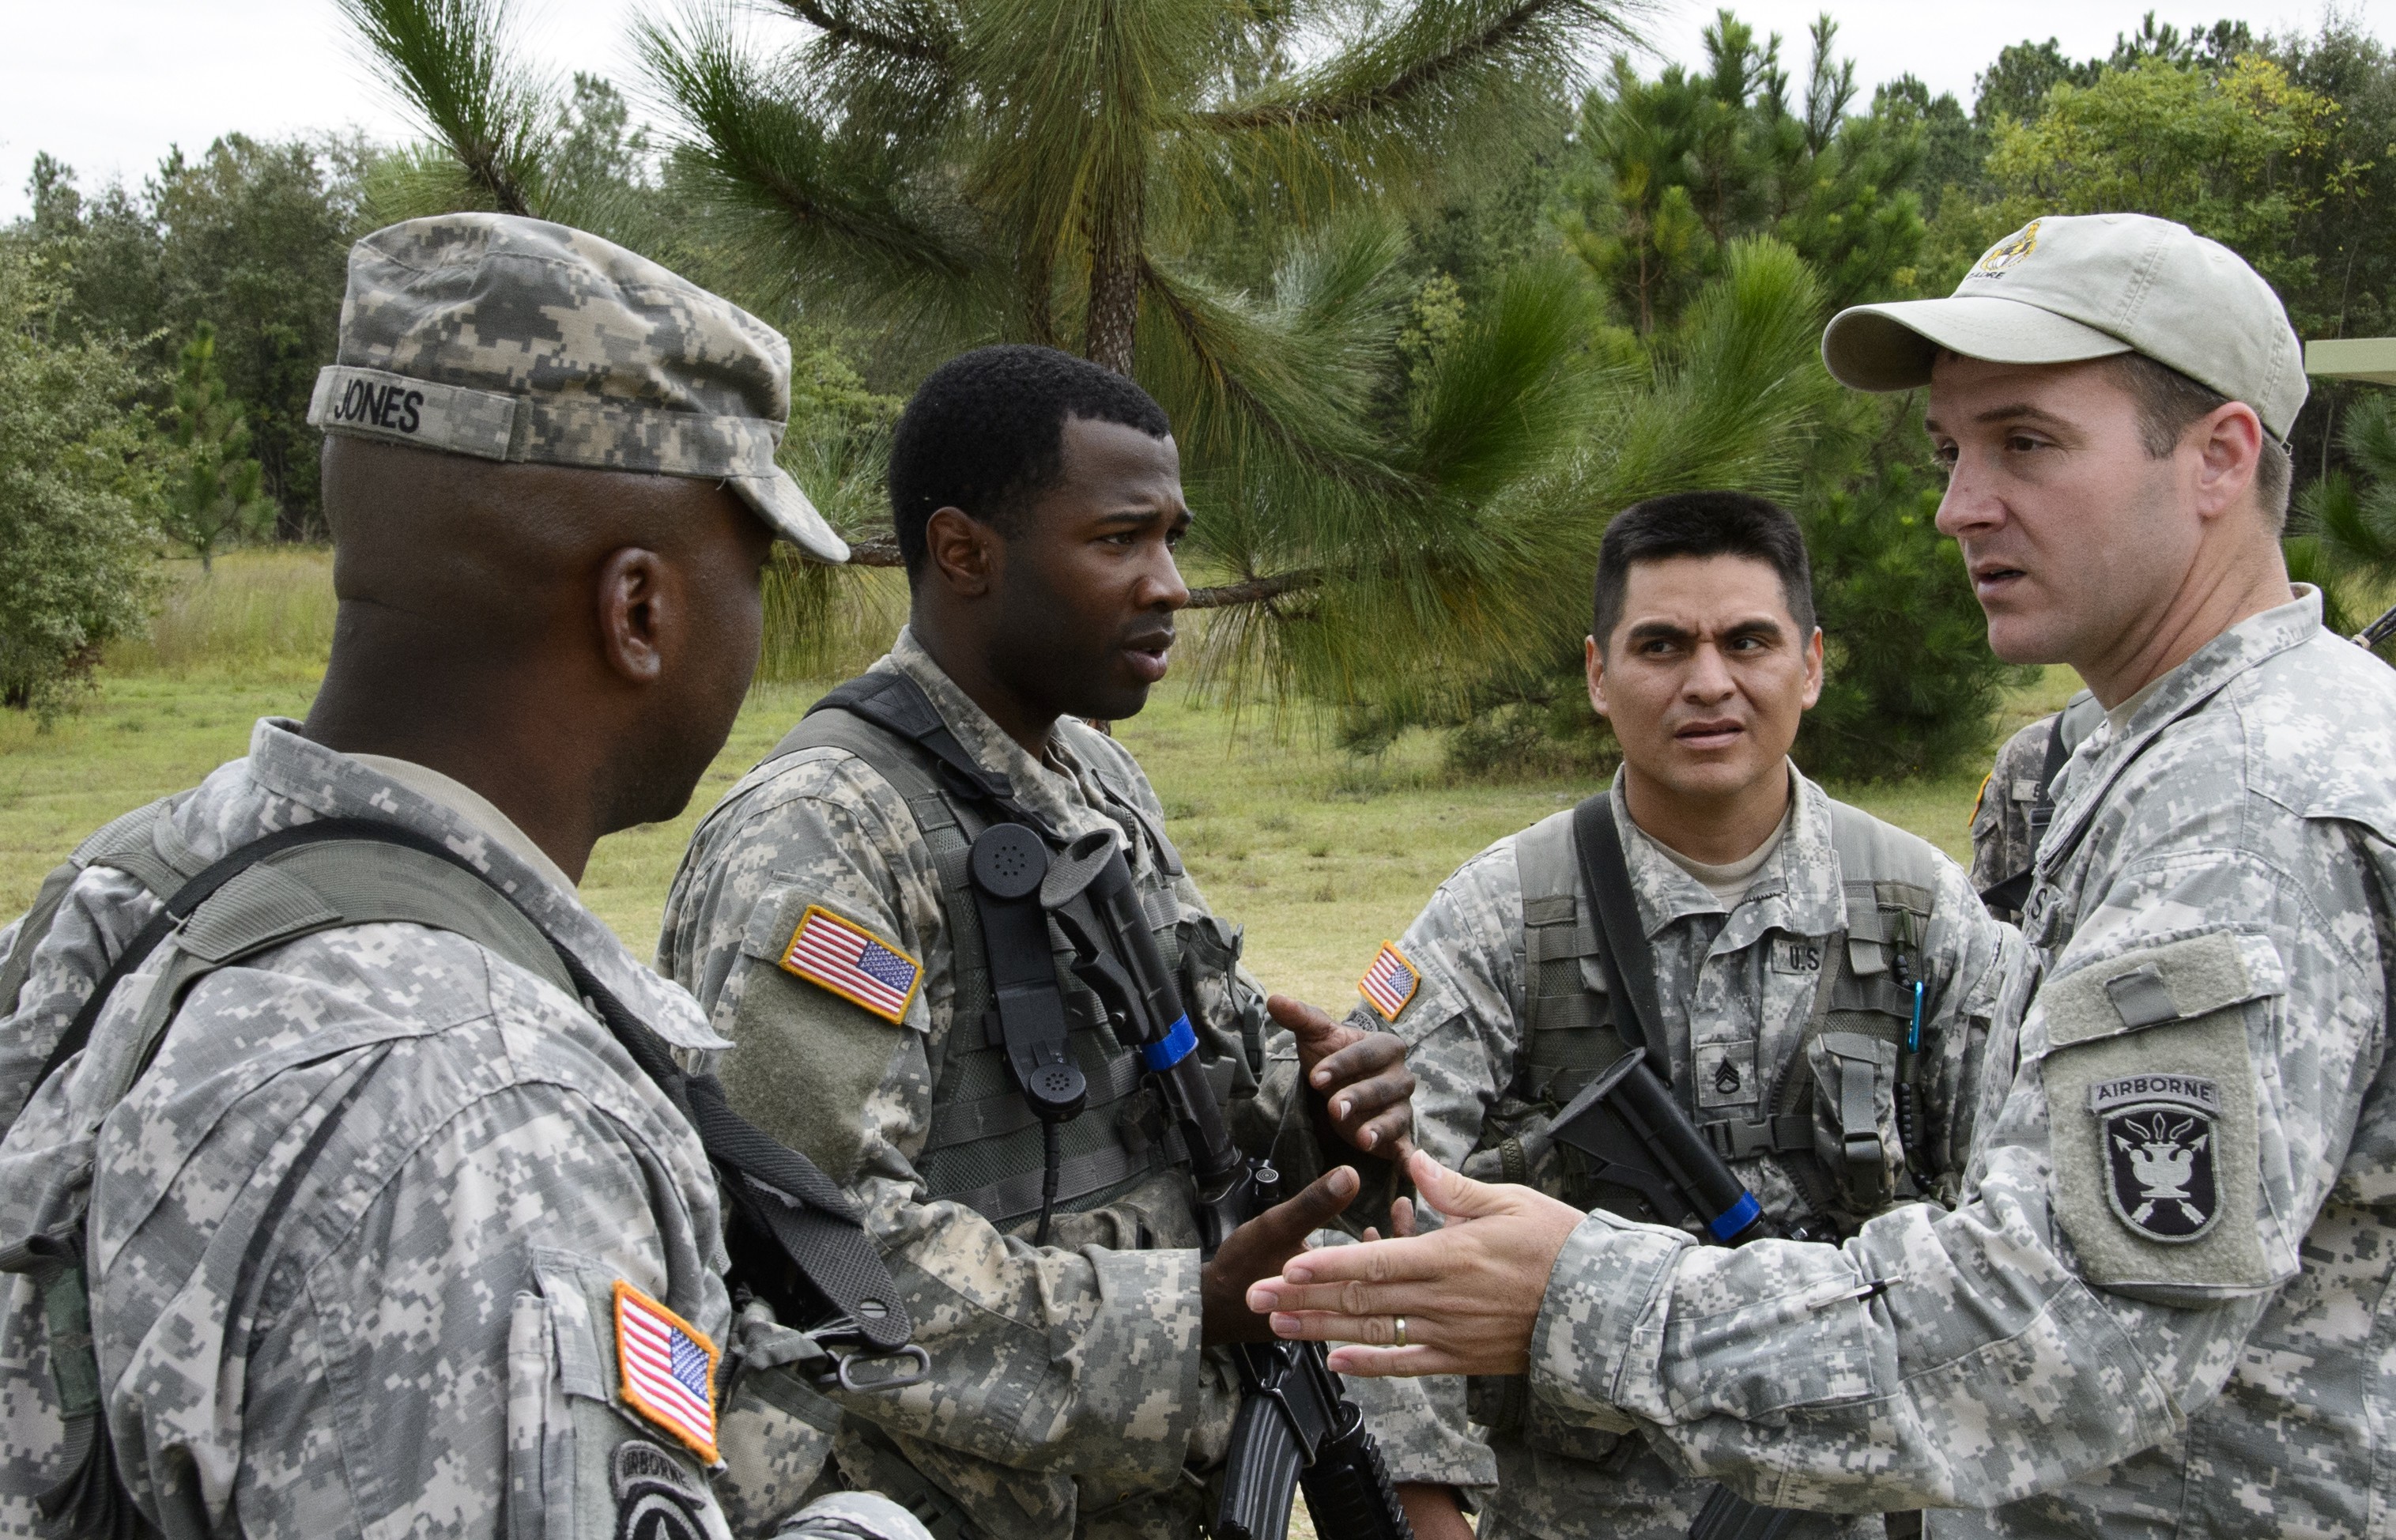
{"x": 1390, "y": 982}
{"x": 2158, "y": 1136}
{"x": 853, "y": 963}
{"x": 665, "y": 1369}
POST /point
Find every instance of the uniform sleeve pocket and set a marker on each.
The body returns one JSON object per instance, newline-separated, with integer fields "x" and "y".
{"x": 581, "y": 1464}
{"x": 2151, "y": 1092}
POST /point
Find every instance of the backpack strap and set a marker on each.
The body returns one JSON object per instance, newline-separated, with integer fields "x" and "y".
{"x": 250, "y": 904}
{"x": 341, "y": 873}
{"x": 19, "y": 964}
{"x": 128, "y": 843}
{"x": 2065, "y": 732}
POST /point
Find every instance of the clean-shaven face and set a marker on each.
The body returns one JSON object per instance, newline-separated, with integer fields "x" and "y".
{"x": 1089, "y": 585}
{"x": 2074, "y": 536}
{"x": 1707, "y": 675}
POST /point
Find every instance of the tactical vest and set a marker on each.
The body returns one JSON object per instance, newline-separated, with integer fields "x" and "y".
{"x": 986, "y": 1148}
{"x": 1863, "y": 1014}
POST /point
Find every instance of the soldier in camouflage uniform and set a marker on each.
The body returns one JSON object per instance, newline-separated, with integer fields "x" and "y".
{"x": 1809, "y": 941}
{"x": 2016, "y": 802}
{"x": 372, "y": 1240}
{"x": 1036, "y": 498}
{"x": 2162, "y": 1308}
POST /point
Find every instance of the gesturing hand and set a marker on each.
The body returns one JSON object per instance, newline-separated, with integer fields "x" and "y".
{"x": 1362, "y": 1077}
{"x": 1469, "y": 1291}
{"x": 1260, "y": 1248}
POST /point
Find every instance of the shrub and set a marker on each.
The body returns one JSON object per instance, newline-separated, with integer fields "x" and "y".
{"x": 77, "y": 495}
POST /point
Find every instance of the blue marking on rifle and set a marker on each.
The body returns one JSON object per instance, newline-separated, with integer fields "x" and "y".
{"x": 1742, "y": 1213}
{"x": 1177, "y": 1043}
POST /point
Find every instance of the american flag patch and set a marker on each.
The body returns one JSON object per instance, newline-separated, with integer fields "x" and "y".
{"x": 1390, "y": 982}
{"x": 852, "y": 963}
{"x": 666, "y": 1368}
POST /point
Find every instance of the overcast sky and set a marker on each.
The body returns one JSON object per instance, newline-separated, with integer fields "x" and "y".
{"x": 108, "y": 84}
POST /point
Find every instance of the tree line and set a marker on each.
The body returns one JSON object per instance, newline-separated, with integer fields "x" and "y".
{"x": 1429, "y": 297}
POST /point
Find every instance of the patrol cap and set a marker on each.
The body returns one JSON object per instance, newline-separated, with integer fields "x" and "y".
{"x": 2075, "y": 286}
{"x": 510, "y": 338}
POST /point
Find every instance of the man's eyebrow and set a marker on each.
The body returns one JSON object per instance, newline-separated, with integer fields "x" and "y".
{"x": 1661, "y": 630}
{"x": 2016, "y": 411}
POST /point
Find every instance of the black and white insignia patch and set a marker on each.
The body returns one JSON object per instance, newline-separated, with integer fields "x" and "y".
{"x": 655, "y": 1497}
{"x": 2159, "y": 1135}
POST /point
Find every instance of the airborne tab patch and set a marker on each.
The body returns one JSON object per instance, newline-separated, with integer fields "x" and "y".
{"x": 665, "y": 1369}
{"x": 853, "y": 963}
{"x": 1390, "y": 982}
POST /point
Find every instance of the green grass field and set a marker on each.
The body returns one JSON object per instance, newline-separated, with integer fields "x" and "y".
{"x": 1320, "y": 856}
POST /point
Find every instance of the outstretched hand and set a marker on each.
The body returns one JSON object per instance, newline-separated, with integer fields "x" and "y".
{"x": 1260, "y": 1248}
{"x": 1469, "y": 1291}
{"x": 1362, "y": 1077}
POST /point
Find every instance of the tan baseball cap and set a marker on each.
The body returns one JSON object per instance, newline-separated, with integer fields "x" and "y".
{"x": 511, "y": 339}
{"x": 2074, "y": 287}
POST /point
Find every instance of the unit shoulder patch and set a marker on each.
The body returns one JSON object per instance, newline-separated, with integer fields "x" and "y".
{"x": 665, "y": 1370}
{"x": 853, "y": 963}
{"x": 2158, "y": 1134}
{"x": 1391, "y": 982}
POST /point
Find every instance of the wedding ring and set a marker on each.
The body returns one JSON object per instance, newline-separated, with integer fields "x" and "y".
{"x": 1397, "y": 1331}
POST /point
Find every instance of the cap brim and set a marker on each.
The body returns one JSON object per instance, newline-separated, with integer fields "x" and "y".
{"x": 1891, "y": 347}
{"x": 787, "y": 511}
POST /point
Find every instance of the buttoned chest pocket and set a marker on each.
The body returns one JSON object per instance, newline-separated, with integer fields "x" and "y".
{"x": 2151, "y": 1098}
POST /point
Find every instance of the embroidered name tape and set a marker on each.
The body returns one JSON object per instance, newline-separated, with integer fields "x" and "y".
{"x": 665, "y": 1370}
{"x": 1390, "y": 982}
{"x": 376, "y": 403}
{"x": 853, "y": 963}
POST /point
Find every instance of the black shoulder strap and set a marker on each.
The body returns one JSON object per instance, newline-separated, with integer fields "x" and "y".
{"x": 778, "y": 1191}
{"x": 898, "y": 705}
{"x": 1630, "y": 970}
{"x": 2013, "y": 891}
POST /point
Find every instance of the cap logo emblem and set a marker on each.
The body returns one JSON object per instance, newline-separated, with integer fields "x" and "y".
{"x": 2007, "y": 253}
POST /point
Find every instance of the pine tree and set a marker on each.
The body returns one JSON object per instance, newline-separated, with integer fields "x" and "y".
{"x": 213, "y": 491}
{"x": 1164, "y": 186}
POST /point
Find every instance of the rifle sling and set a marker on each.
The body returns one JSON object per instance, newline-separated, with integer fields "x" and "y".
{"x": 1629, "y": 965}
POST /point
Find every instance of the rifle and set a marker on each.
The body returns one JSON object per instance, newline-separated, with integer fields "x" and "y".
{"x": 1641, "y": 1142}
{"x": 1297, "y": 1429}
{"x": 2370, "y": 636}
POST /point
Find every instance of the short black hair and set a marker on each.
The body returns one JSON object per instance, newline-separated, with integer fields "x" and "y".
{"x": 986, "y": 434}
{"x": 1701, "y": 524}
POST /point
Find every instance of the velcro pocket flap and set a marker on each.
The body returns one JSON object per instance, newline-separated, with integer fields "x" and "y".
{"x": 2152, "y": 1102}
{"x": 2179, "y": 981}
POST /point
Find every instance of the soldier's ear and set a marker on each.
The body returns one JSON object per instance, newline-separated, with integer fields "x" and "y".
{"x": 1814, "y": 667}
{"x": 1593, "y": 663}
{"x": 962, "y": 552}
